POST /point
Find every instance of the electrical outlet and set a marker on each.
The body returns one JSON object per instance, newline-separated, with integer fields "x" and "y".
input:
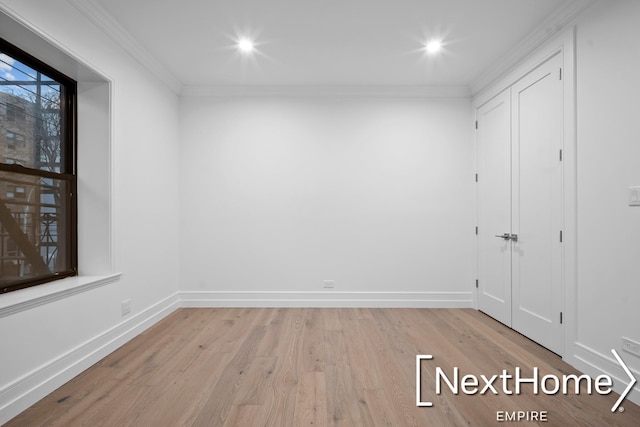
{"x": 328, "y": 283}
{"x": 634, "y": 196}
{"x": 126, "y": 307}
{"x": 631, "y": 346}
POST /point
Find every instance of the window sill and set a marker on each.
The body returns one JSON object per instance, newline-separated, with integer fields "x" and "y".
{"x": 28, "y": 298}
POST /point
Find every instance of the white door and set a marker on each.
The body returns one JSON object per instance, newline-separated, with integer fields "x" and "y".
{"x": 537, "y": 140}
{"x": 520, "y": 205}
{"x": 494, "y": 209}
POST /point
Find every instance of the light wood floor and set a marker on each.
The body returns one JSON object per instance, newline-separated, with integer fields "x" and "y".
{"x": 299, "y": 367}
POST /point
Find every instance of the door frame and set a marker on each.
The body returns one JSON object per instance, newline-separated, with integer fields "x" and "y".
{"x": 563, "y": 44}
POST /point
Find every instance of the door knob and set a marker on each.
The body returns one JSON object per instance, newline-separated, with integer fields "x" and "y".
{"x": 507, "y": 236}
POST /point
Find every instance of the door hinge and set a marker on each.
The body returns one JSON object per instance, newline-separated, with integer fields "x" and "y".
{"x": 560, "y": 73}
{"x": 560, "y": 155}
{"x": 476, "y": 177}
{"x": 476, "y": 124}
{"x": 560, "y": 236}
{"x": 476, "y": 230}
{"x": 476, "y": 283}
{"x": 561, "y": 318}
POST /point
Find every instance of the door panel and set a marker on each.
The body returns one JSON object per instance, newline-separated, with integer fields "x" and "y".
{"x": 494, "y": 209}
{"x": 537, "y": 204}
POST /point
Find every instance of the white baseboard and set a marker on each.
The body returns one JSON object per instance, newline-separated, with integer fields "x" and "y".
{"x": 326, "y": 299}
{"x": 24, "y": 392}
{"x": 594, "y": 363}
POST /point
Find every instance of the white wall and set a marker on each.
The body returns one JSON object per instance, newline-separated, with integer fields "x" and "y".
{"x": 279, "y": 194}
{"x": 608, "y": 90}
{"x": 48, "y": 344}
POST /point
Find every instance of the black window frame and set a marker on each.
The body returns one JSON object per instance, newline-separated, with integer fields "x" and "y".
{"x": 68, "y": 171}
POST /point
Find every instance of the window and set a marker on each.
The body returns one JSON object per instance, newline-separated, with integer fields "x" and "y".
{"x": 38, "y": 209}
{"x": 12, "y": 139}
{"x": 11, "y": 161}
{"x": 15, "y": 114}
{"x": 14, "y": 192}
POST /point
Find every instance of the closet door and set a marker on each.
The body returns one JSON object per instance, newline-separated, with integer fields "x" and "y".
{"x": 537, "y": 140}
{"x": 494, "y": 207}
{"x": 520, "y": 138}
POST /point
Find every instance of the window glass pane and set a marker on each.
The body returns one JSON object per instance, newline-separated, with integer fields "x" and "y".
{"x": 33, "y": 226}
{"x": 31, "y": 119}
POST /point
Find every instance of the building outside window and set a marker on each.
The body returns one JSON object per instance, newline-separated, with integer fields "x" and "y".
{"x": 38, "y": 206}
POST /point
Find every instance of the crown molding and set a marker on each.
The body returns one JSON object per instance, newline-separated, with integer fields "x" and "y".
{"x": 108, "y": 24}
{"x": 552, "y": 26}
{"x": 351, "y": 91}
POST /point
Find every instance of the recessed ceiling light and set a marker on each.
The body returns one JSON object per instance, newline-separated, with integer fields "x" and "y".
{"x": 433, "y": 46}
{"x": 245, "y": 45}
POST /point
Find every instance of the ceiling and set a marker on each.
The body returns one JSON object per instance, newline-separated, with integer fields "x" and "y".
{"x": 335, "y": 42}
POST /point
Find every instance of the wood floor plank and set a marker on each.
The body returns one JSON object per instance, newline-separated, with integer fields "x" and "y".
{"x": 221, "y": 398}
{"x": 365, "y": 376}
{"x": 188, "y": 391}
{"x": 311, "y": 400}
{"x": 320, "y": 367}
{"x": 342, "y": 402}
{"x": 259, "y": 379}
{"x": 397, "y": 386}
{"x": 244, "y": 415}
{"x": 286, "y": 373}
{"x": 313, "y": 342}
